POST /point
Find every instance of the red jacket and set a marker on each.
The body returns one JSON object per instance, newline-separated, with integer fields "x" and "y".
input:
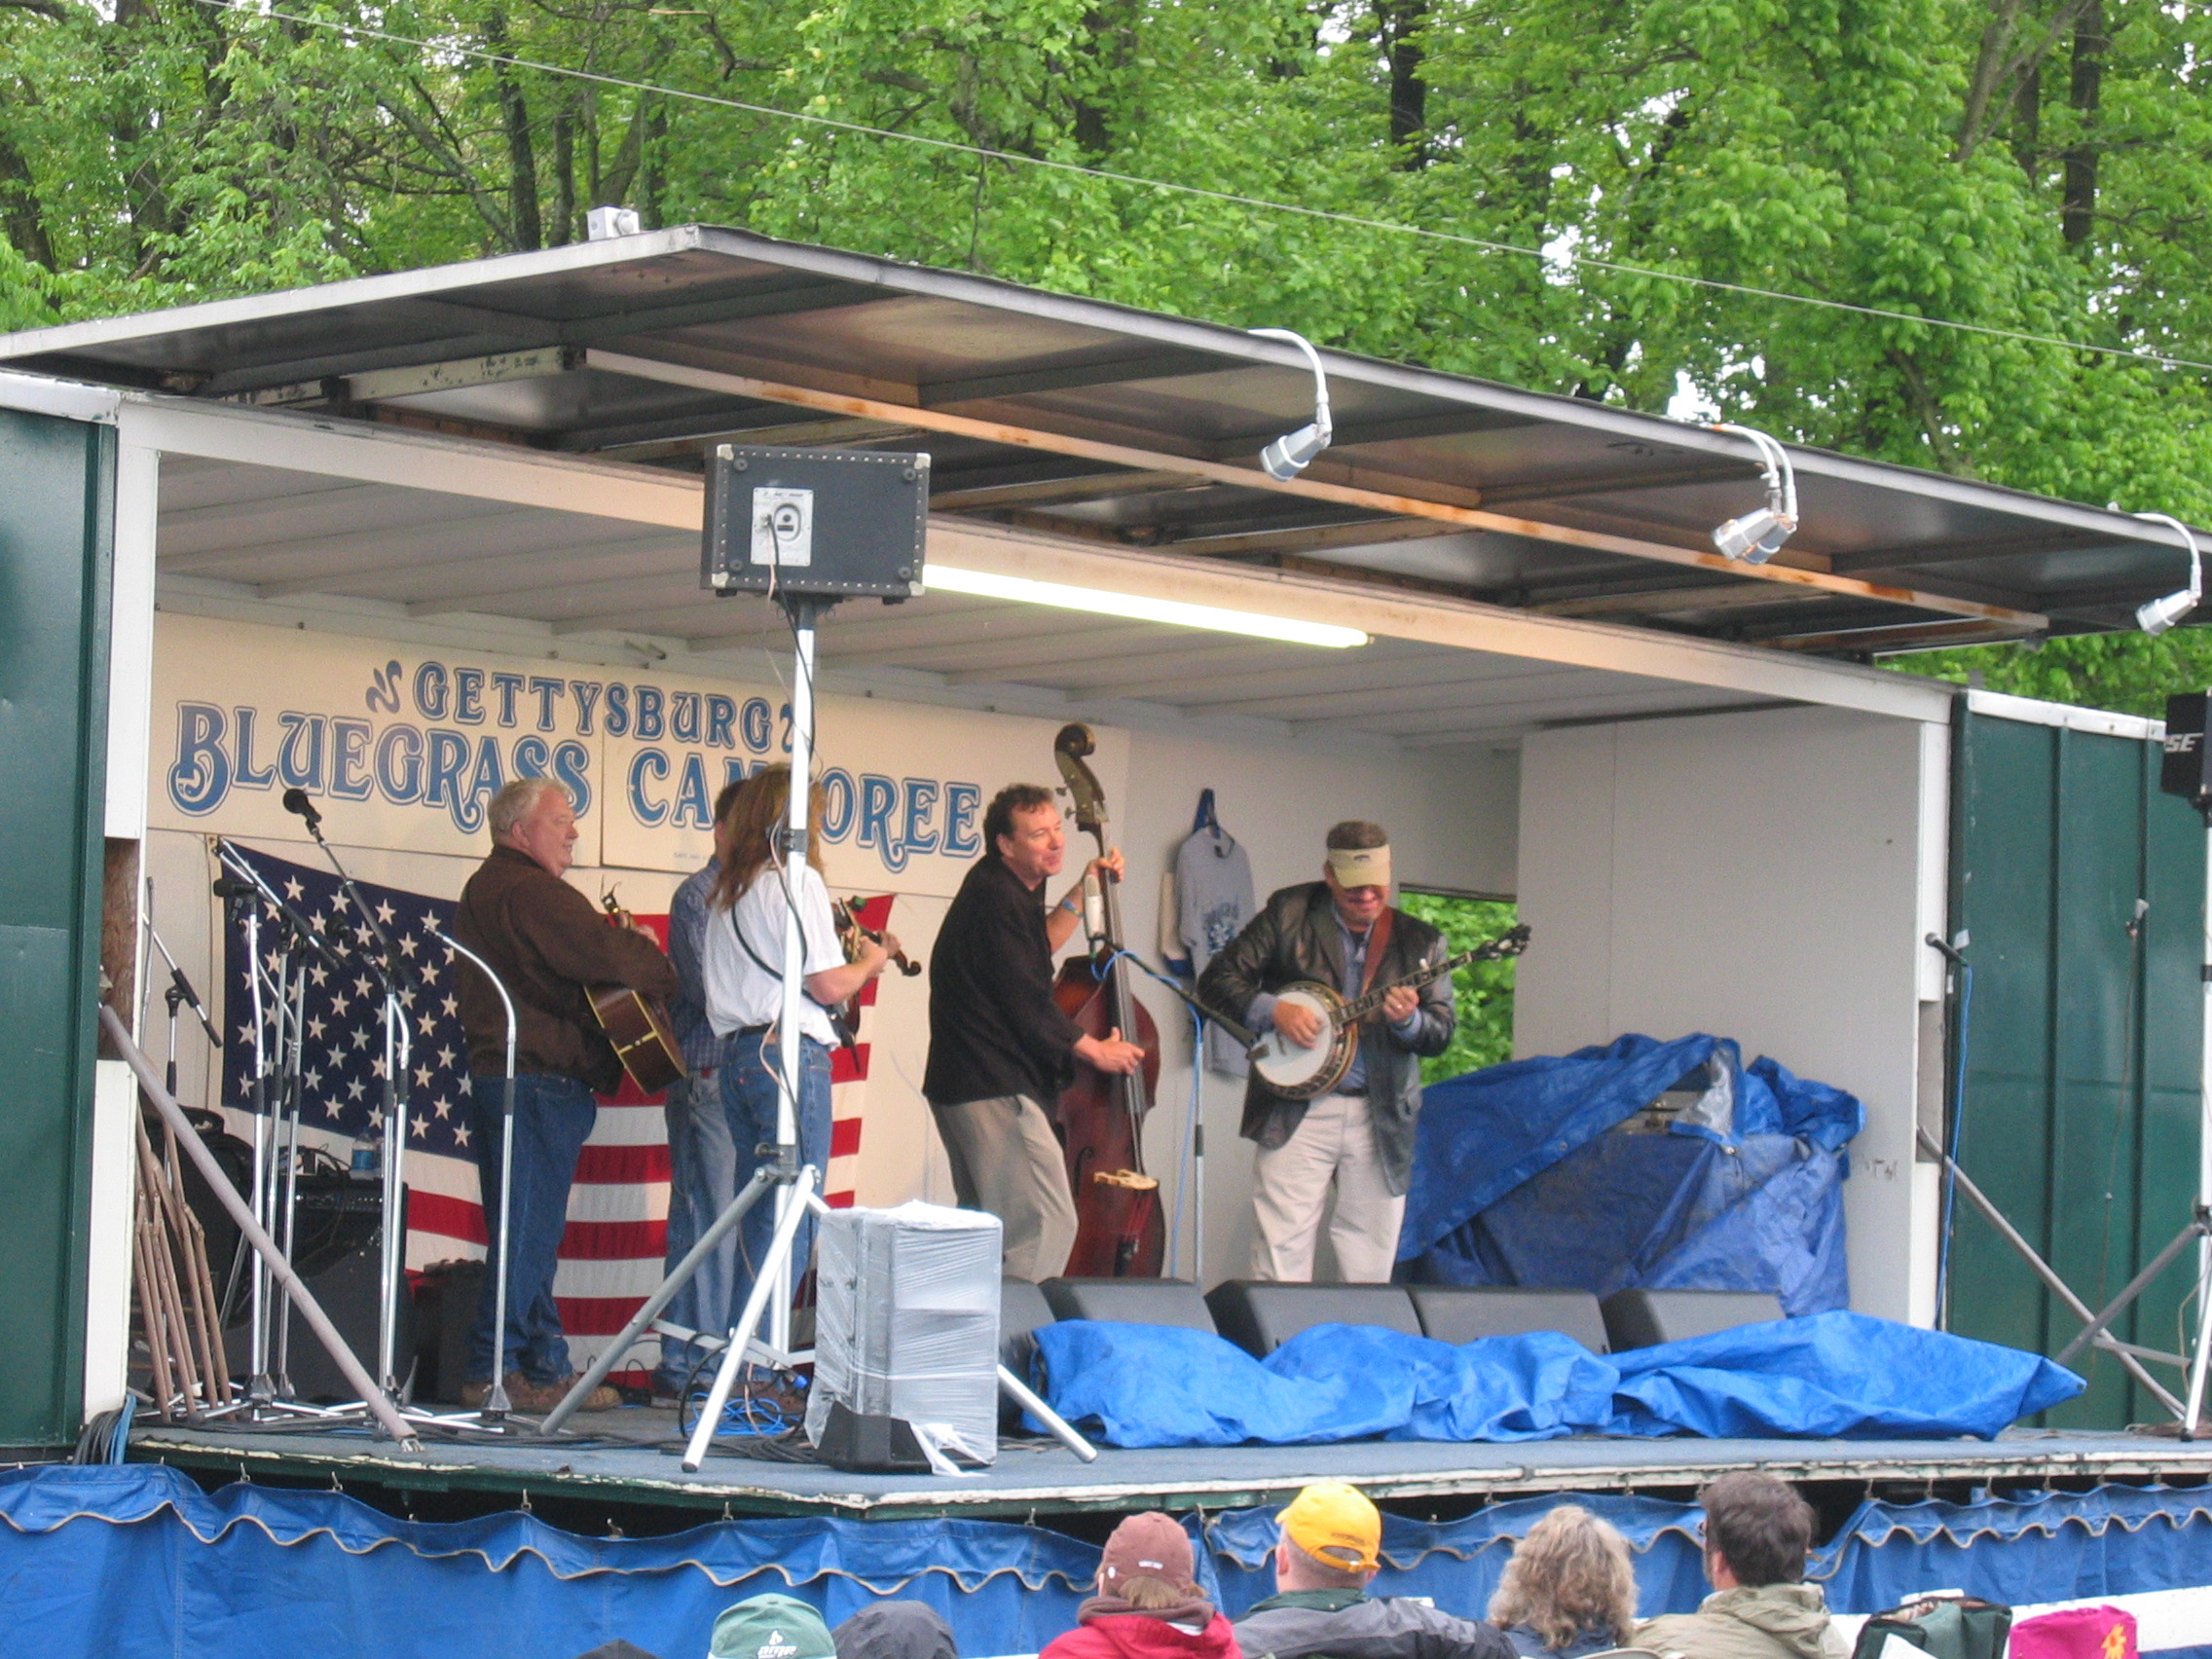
{"x": 1137, "y": 1636}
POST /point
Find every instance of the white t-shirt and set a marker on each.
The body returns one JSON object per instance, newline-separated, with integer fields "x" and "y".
{"x": 740, "y": 992}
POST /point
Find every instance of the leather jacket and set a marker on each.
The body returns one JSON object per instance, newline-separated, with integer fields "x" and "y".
{"x": 1296, "y": 936}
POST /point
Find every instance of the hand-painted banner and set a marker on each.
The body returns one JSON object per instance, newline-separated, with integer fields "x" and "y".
{"x": 403, "y": 749}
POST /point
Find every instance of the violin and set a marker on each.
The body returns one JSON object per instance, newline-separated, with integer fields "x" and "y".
{"x": 1121, "y": 1229}
{"x": 851, "y": 931}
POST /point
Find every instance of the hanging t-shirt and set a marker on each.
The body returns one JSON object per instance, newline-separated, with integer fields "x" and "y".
{"x": 1213, "y": 891}
{"x": 744, "y": 992}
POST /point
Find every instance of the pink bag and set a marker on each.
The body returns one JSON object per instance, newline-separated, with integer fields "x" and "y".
{"x": 2075, "y": 1633}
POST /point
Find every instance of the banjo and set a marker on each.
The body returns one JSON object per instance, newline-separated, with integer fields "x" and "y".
{"x": 1298, "y": 1072}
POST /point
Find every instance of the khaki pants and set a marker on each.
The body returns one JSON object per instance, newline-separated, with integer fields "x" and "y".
{"x": 1006, "y": 1159}
{"x": 1333, "y": 1145}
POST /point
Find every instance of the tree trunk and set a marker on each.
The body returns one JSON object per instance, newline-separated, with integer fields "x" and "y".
{"x": 563, "y": 226}
{"x": 2027, "y": 124}
{"x": 527, "y": 231}
{"x": 1398, "y": 25}
{"x": 2079, "y": 209}
{"x": 20, "y": 215}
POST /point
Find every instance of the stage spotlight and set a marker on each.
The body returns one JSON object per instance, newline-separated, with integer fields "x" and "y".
{"x": 2155, "y": 617}
{"x": 1291, "y": 453}
{"x": 1758, "y": 536}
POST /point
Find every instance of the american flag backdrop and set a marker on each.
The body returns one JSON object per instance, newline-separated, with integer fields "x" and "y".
{"x": 611, "y": 1253}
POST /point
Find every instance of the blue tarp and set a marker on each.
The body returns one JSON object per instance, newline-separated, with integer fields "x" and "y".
{"x": 137, "y": 1560}
{"x": 1516, "y": 1180}
{"x": 1837, "y": 1374}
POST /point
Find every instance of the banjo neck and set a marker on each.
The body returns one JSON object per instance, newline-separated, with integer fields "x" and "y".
{"x": 1510, "y": 943}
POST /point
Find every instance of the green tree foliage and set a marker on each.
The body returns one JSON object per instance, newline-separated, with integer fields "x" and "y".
{"x": 1482, "y": 994}
{"x": 2036, "y": 166}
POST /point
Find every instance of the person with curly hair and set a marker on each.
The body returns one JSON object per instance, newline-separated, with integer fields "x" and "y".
{"x": 1569, "y": 1589}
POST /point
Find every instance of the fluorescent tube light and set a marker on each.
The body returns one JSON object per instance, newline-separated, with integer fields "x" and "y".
{"x": 984, "y": 584}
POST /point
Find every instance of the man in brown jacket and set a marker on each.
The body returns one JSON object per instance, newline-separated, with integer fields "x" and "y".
{"x": 547, "y": 942}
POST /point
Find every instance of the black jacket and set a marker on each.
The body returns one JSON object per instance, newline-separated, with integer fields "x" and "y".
{"x": 994, "y": 1028}
{"x": 1296, "y": 936}
{"x": 1306, "y": 1626}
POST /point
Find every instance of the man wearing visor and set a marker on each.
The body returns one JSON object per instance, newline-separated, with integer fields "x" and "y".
{"x": 1355, "y": 1143}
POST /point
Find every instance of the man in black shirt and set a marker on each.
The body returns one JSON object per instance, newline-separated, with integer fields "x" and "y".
{"x": 1001, "y": 1052}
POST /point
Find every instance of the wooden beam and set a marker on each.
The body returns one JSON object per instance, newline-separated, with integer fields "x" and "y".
{"x": 1911, "y": 635}
{"x": 1086, "y": 487}
{"x": 1366, "y": 533}
{"x": 1312, "y": 489}
{"x": 1668, "y": 602}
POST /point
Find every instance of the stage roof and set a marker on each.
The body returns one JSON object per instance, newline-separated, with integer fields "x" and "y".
{"x": 1093, "y": 427}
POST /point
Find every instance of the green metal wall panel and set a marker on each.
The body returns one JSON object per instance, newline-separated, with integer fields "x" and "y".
{"x": 56, "y": 546}
{"x": 2081, "y": 1108}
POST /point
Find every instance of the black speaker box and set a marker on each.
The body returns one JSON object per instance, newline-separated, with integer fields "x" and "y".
{"x": 1645, "y": 1319}
{"x": 1464, "y": 1313}
{"x": 1259, "y": 1316}
{"x": 1129, "y": 1301}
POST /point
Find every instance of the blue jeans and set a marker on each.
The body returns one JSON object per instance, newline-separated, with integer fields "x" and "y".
{"x": 749, "y": 1090}
{"x": 702, "y": 1179}
{"x": 553, "y": 1118}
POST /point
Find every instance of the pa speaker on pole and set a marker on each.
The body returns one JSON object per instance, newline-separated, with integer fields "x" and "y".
{"x": 824, "y": 524}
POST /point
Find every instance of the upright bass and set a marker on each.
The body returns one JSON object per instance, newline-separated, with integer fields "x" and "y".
{"x": 1120, "y": 1230}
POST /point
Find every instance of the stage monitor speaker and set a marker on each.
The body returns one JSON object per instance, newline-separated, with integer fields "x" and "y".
{"x": 1645, "y": 1319}
{"x": 1468, "y": 1313}
{"x": 829, "y": 524}
{"x": 1259, "y": 1316}
{"x": 2187, "y": 768}
{"x": 1023, "y": 1307}
{"x": 1129, "y": 1301}
{"x": 346, "y": 1291}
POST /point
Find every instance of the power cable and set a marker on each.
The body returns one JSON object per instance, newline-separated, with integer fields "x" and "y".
{"x": 453, "y": 48}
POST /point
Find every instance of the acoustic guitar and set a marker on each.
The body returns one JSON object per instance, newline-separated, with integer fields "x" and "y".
{"x": 636, "y": 1025}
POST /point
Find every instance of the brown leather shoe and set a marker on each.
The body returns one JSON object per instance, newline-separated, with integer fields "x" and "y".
{"x": 475, "y": 1396}
{"x": 537, "y": 1397}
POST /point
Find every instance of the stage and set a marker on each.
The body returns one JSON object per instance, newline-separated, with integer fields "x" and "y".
{"x": 632, "y": 1456}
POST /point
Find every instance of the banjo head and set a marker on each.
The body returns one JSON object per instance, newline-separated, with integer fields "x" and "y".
{"x": 1299, "y": 1073}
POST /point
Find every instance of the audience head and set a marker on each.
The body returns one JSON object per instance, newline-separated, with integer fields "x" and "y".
{"x": 896, "y": 1630}
{"x": 1148, "y": 1562}
{"x": 1332, "y": 1539}
{"x": 771, "y": 1627}
{"x": 1570, "y": 1575}
{"x": 1757, "y": 1531}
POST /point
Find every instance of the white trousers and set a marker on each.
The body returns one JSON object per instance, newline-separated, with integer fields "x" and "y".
{"x": 1333, "y": 1145}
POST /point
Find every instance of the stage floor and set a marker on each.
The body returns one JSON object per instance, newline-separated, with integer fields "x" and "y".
{"x": 633, "y": 1455}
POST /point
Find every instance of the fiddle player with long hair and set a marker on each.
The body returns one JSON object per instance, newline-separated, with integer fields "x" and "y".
{"x": 1001, "y": 1050}
{"x": 741, "y": 961}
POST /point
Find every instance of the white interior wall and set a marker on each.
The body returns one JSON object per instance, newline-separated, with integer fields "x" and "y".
{"x": 1766, "y": 877}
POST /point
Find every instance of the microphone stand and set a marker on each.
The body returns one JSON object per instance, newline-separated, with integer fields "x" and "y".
{"x": 398, "y": 1056}
{"x": 269, "y": 1393}
{"x": 497, "y": 1405}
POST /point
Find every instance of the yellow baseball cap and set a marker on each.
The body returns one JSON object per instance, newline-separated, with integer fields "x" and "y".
{"x": 1335, "y": 1524}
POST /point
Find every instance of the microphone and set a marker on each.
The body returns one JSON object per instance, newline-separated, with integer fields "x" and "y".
{"x": 296, "y": 802}
{"x": 230, "y": 887}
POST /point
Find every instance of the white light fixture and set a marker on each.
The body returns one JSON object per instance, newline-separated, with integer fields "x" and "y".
{"x": 1098, "y": 602}
{"x": 1759, "y": 535}
{"x": 2155, "y": 617}
{"x": 1292, "y": 452}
